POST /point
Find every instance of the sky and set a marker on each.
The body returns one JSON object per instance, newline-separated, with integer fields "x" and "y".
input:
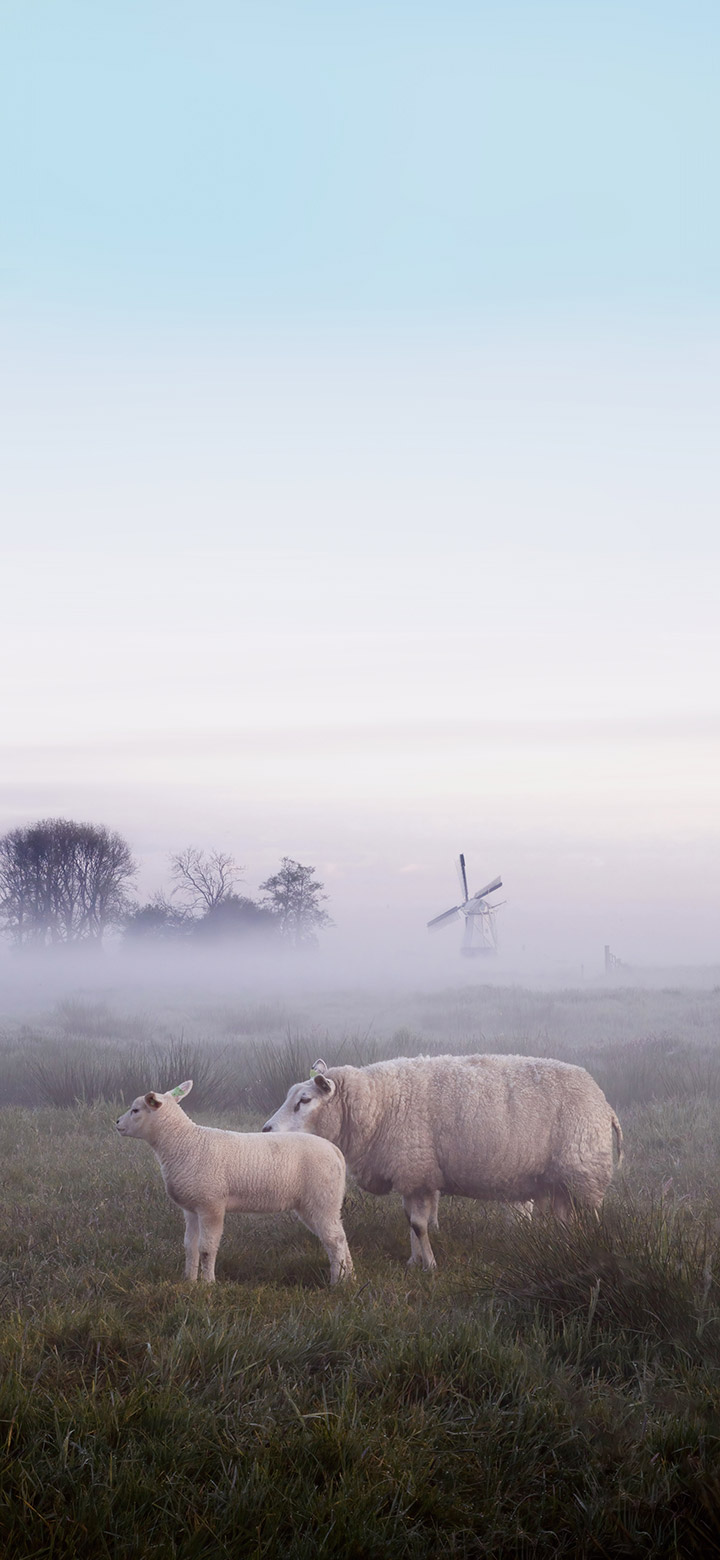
{"x": 358, "y": 403}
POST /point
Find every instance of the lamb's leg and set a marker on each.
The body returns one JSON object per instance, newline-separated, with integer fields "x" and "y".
{"x": 433, "y": 1217}
{"x": 211, "y": 1227}
{"x": 419, "y": 1207}
{"x": 336, "y": 1246}
{"x": 333, "y": 1238}
{"x": 192, "y": 1236}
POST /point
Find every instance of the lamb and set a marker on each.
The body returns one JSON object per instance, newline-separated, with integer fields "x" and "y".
{"x": 505, "y": 1128}
{"x": 207, "y": 1170}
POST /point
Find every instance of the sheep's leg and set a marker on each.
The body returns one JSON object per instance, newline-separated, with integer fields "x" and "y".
{"x": 335, "y": 1242}
{"x": 336, "y": 1246}
{"x": 555, "y": 1200}
{"x": 588, "y": 1196}
{"x": 211, "y": 1227}
{"x": 419, "y": 1207}
{"x": 192, "y": 1237}
{"x": 559, "y": 1201}
{"x": 562, "y": 1205}
{"x": 433, "y": 1216}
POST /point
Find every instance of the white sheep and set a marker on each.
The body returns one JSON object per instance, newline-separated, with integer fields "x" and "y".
{"x": 207, "y": 1170}
{"x": 508, "y": 1128}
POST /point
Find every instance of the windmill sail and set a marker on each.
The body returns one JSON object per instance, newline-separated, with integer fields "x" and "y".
{"x": 489, "y": 888}
{"x": 447, "y": 915}
{"x": 463, "y": 877}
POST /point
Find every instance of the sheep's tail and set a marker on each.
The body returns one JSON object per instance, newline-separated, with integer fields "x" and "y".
{"x": 618, "y": 1135}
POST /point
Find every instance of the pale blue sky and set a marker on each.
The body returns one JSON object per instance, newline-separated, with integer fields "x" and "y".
{"x": 404, "y": 157}
{"x": 360, "y": 378}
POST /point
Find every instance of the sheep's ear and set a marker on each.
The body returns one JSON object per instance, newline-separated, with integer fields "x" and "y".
{"x": 181, "y": 1089}
{"x": 318, "y": 1075}
{"x": 153, "y": 1100}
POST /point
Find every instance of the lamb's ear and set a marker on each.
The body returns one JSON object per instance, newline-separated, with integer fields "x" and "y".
{"x": 325, "y": 1085}
{"x": 181, "y": 1089}
{"x": 153, "y": 1100}
{"x": 318, "y": 1066}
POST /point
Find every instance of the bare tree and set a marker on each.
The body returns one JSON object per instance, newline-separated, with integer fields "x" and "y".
{"x": 293, "y": 895}
{"x": 203, "y": 880}
{"x": 63, "y": 882}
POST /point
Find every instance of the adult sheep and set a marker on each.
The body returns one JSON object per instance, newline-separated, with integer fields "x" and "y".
{"x": 505, "y": 1128}
{"x": 207, "y": 1170}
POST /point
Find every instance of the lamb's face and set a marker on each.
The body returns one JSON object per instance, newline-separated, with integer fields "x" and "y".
{"x": 305, "y": 1108}
{"x": 138, "y": 1120}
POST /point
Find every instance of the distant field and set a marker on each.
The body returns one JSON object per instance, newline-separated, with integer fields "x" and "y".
{"x": 548, "y": 1392}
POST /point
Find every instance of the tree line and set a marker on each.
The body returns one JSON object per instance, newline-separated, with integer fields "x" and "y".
{"x": 67, "y": 883}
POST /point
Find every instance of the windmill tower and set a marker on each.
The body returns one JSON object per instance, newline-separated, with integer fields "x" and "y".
{"x": 479, "y": 935}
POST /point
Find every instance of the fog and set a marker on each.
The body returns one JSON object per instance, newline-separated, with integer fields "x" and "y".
{"x": 331, "y": 613}
{"x": 361, "y": 491}
{"x": 327, "y": 994}
{"x": 458, "y": 666}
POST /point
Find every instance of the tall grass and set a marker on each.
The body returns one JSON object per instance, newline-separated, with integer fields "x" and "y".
{"x": 249, "y": 1073}
{"x": 274, "y": 1067}
{"x": 80, "y": 1073}
{"x": 256, "y": 1073}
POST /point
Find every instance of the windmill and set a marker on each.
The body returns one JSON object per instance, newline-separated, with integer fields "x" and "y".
{"x": 479, "y": 935}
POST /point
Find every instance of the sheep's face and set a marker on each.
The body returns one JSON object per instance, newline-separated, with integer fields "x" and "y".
{"x": 140, "y": 1119}
{"x": 305, "y": 1108}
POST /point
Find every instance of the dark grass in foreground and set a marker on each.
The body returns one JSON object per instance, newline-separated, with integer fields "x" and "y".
{"x": 549, "y": 1392}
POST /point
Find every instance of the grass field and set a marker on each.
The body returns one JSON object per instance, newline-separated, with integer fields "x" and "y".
{"x": 548, "y": 1392}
